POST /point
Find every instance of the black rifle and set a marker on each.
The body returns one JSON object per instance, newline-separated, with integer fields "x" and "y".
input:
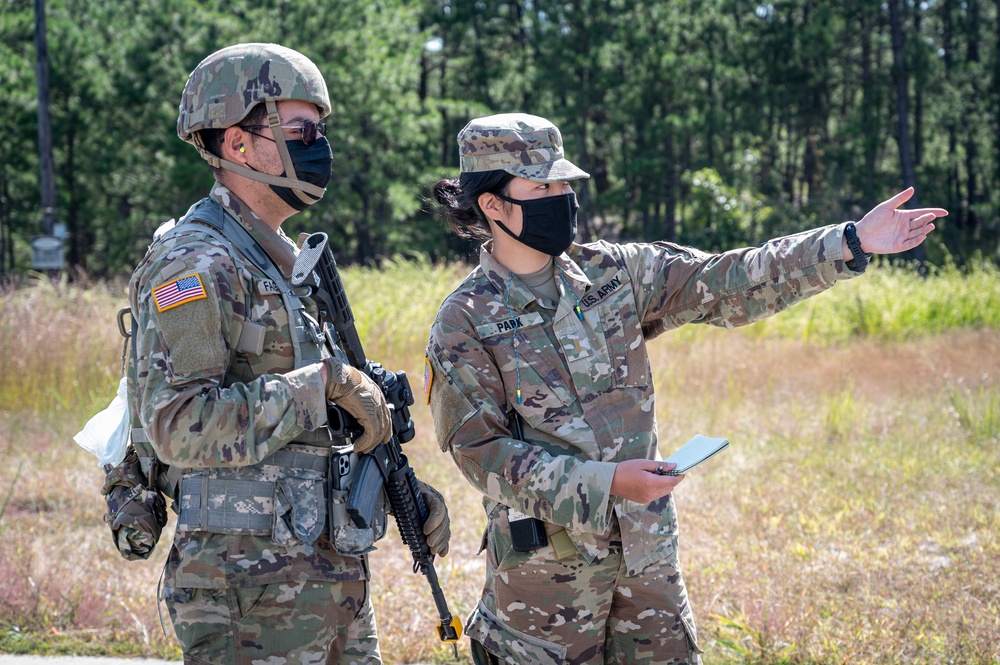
{"x": 386, "y": 467}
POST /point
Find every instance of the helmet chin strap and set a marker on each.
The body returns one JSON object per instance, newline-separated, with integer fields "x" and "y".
{"x": 306, "y": 192}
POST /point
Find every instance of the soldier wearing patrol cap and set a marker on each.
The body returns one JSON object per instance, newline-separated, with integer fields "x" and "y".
{"x": 539, "y": 382}
{"x": 231, "y": 377}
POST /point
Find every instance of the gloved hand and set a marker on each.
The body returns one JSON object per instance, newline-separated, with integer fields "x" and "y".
{"x": 135, "y": 514}
{"x": 437, "y": 528}
{"x": 357, "y": 394}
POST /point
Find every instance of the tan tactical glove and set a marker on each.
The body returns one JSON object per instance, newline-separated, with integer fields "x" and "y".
{"x": 437, "y": 528}
{"x": 357, "y": 394}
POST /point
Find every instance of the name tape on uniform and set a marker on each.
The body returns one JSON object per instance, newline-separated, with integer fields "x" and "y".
{"x": 267, "y": 287}
{"x": 508, "y": 325}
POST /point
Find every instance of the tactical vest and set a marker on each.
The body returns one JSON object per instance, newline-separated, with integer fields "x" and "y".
{"x": 300, "y": 491}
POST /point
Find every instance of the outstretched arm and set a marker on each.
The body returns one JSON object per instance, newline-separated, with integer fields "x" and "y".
{"x": 888, "y": 230}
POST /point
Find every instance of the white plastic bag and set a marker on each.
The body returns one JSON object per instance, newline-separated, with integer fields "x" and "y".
{"x": 106, "y": 434}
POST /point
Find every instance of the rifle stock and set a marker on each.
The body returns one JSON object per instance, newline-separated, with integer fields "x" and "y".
{"x": 385, "y": 468}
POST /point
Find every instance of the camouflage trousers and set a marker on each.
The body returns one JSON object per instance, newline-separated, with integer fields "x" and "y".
{"x": 537, "y": 609}
{"x": 311, "y": 622}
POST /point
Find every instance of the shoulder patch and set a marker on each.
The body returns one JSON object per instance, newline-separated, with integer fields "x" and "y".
{"x": 179, "y": 291}
{"x": 428, "y": 379}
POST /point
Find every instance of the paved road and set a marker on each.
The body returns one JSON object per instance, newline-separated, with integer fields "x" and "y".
{"x": 6, "y": 659}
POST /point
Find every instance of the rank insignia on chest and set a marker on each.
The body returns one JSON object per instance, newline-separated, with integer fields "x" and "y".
{"x": 179, "y": 291}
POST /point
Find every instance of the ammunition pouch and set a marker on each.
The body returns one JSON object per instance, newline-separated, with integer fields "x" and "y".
{"x": 296, "y": 495}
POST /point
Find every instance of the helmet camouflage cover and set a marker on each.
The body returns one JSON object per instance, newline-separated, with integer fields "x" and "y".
{"x": 227, "y": 84}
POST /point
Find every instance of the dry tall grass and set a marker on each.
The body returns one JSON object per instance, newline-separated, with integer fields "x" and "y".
{"x": 855, "y": 517}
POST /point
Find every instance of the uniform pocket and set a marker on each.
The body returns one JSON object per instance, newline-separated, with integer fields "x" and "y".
{"x": 649, "y": 533}
{"x": 511, "y": 646}
{"x": 502, "y": 554}
{"x": 200, "y": 618}
{"x": 299, "y": 511}
{"x": 346, "y": 538}
{"x": 268, "y": 312}
{"x": 626, "y": 345}
{"x": 545, "y": 395}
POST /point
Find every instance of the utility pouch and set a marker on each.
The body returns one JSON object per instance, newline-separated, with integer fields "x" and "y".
{"x": 299, "y": 509}
{"x": 136, "y": 514}
{"x": 348, "y": 538}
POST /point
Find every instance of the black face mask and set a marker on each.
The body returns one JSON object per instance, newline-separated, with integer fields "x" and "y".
{"x": 312, "y": 163}
{"x": 548, "y": 225}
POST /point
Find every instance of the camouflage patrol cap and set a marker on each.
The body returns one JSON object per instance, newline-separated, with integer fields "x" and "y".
{"x": 520, "y": 144}
{"x": 227, "y": 84}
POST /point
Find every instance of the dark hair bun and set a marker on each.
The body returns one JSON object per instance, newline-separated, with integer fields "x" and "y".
{"x": 446, "y": 192}
{"x": 459, "y": 200}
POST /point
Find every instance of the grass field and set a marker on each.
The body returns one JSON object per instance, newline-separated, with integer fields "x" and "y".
{"x": 854, "y": 519}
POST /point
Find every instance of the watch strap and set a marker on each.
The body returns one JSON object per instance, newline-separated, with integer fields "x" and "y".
{"x": 860, "y": 261}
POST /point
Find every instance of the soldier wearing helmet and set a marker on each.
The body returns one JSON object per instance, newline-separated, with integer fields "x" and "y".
{"x": 230, "y": 379}
{"x": 539, "y": 382}
{"x": 231, "y": 100}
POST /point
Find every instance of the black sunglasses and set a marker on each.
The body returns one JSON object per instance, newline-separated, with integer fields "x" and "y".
{"x": 308, "y": 131}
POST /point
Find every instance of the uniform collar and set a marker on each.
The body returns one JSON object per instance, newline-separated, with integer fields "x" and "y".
{"x": 277, "y": 245}
{"x": 520, "y": 295}
{"x": 578, "y": 280}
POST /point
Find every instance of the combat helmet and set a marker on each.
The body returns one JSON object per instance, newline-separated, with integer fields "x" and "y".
{"x": 226, "y": 85}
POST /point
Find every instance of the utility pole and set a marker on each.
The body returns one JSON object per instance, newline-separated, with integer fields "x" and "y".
{"x": 46, "y": 249}
{"x": 48, "y": 183}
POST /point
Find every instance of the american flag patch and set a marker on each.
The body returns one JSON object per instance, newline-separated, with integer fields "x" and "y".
{"x": 178, "y": 292}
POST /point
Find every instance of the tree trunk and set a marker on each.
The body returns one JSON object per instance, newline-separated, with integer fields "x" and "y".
{"x": 948, "y": 44}
{"x": 973, "y": 195}
{"x": 920, "y": 74}
{"x": 6, "y": 267}
{"x": 869, "y": 106}
{"x": 996, "y": 102}
{"x": 900, "y": 78}
{"x": 77, "y": 236}
{"x": 447, "y": 137}
{"x": 710, "y": 106}
{"x": 48, "y": 184}
{"x": 670, "y": 186}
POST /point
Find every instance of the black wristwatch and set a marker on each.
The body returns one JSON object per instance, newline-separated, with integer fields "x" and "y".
{"x": 860, "y": 261}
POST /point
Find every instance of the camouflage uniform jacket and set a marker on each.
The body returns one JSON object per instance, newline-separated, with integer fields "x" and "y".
{"x": 586, "y": 385}
{"x": 204, "y": 404}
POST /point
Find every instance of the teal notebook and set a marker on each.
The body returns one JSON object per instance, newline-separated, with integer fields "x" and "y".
{"x": 694, "y": 452}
